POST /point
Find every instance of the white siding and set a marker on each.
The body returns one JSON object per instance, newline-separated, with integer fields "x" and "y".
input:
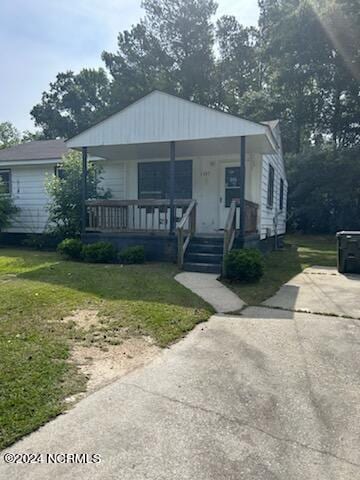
{"x": 160, "y": 117}
{"x": 28, "y": 191}
{"x": 269, "y": 213}
{"x": 113, "y": 178}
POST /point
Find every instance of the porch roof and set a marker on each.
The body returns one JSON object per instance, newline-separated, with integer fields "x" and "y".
{"x": 144, "y": 128}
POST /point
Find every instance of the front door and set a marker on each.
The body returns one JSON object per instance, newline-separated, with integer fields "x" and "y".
{"x": 229, "y": 188}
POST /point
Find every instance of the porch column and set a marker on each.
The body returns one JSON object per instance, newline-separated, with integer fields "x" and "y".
{"x": 172, "y": 189}
{"x": 242, "y": 187}
{"x": 84, "y": 193}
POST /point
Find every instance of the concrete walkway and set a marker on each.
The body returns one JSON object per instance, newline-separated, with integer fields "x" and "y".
{"x": 269, "y": 395}
{"x": 206, "y": 286}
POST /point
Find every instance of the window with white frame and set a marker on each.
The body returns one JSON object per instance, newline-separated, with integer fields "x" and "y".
{"x": 5, "y": 181}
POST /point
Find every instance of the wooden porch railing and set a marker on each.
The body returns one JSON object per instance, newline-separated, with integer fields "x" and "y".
{"x": 185, "y": 230}
{"x": 132, "y": 215}
{"x": 230, "y": 228}
{"x": 251, "y": 217}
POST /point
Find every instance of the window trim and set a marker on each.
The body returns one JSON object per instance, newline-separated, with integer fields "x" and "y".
{"x": 281, "y": 193}
{"x": 8, "y": 170}
{"x": 271, "y": 187}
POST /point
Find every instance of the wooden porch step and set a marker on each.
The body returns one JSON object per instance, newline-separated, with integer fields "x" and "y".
{"x": 203, "y": 257}
{"x": 205, "y": 248}
{"x": 202, "y": 267}
{"x": 208, "y": 239}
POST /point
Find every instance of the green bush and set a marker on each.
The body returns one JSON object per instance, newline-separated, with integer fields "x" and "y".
{"x": 135, "y": 254}
{"x": 99, "y": 252}
{"x": 42, "y": 241}
{"x": 245, "y": 265}
{"x": 71, "y": 248}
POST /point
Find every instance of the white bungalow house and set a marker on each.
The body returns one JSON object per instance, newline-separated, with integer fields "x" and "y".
{"x": 188, "y": 182}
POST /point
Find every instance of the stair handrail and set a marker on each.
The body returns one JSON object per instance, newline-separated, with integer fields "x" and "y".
{"x": 229, "y": 230}
{"x": 189, "y": 218}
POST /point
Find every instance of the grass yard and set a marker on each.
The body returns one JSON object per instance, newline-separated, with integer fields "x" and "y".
{"x": 37, "y": 290}
{"x": 300, "y": 252}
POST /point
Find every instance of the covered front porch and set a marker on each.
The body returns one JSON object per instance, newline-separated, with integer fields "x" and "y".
{"x": 177, "y": 171}
{"x": 194, "y": 193}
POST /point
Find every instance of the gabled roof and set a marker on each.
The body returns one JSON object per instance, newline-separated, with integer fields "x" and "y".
{"x": 36, "y": 150}
{"x": 272, "y": 123}
{"x": 161, "y": 117}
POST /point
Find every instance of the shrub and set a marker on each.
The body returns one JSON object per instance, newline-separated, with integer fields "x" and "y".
{"x": 99, "y": 252}
{"x": 246, "y": 265}
{"x": 42, "y": 241}
{"x": 8, "y": 209}
{"x": 135, "y": 254}
{"x": 65, "y": 192}
{"x": 71, "y": 247}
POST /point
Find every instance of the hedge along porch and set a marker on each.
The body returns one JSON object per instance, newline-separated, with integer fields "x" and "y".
{"x": 177, "y": 171}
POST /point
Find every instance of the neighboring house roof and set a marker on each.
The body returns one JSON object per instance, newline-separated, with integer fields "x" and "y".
{"x": 160, "y": 117}
{"x": 36, "y": 150}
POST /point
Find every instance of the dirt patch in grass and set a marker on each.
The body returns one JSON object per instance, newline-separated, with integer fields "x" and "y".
{"x": 102, "y": 366}
{"x": 84, "y": 318}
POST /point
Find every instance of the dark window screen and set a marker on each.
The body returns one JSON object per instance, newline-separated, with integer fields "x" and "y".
{"x": 154, "y": 179}
{"x": 232, "y": 185}
{"x": 59, "y": 172}
{"x": 281, "y": 206}
{"x": 5, "y": 181}
{"x": 270, "y": 193}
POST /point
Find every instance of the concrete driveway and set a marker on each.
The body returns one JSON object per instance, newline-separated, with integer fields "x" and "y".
{"x": 271, "y": 394}
{"x": 320, "y": 290}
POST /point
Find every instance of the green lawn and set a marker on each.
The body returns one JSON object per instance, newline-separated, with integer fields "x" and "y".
{"x": 37, "y": 290}
{"x": 301, "y": 251}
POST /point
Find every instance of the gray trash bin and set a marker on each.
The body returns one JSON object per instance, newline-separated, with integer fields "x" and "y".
{"x": 348, "y": 252}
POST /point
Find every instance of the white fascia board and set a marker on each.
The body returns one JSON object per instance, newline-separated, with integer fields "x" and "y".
{"x": 30, "y": 163}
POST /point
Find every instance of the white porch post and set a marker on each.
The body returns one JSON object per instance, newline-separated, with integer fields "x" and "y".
{"x": 242, "y": 187}
{"x": 172, "y": 188}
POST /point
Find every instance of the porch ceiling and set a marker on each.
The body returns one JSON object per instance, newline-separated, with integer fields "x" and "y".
{"x": 189, "y": 148}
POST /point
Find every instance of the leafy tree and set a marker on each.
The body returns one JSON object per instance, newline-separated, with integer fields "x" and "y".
{"x": 8, "y": 209}
{"x": 324, "y": 190}
{"x": 73, "y": 103}
{"x": 9, "y": 135}
{"x": 302, "y": 65}
{"x": 170, "y": 49}
{"x": 238, "y": 63}
{"x": 65, "y": 204}
{"x": 28, "y": 136}
{"x": 310, "y": 57}
{"x": 340, "y": 79}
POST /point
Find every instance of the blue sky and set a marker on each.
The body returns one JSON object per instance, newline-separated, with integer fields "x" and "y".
{"x": 40, "y": 38}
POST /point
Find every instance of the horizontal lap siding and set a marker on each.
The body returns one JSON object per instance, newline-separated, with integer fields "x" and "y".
{"x": 28, "y": 191}
{"x": 30, "y": 196}
{"x": 268, "y": 214}
{"x": 113, "y": 178}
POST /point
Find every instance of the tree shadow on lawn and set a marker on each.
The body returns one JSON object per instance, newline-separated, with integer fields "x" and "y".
{"x": 151, "y": 282}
